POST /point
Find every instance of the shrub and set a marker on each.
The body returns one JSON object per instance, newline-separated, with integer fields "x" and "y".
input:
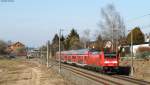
{"x": 143, "y": 49}
{"x": 3, "y": 46}
{"x": 143, "y": 55}
{"x": 143, "y": 52}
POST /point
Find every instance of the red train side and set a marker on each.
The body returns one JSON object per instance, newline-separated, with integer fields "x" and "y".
{"x": 104, "y": 61}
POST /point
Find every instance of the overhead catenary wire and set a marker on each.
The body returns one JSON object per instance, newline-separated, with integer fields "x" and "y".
{"x": 136, "y": 18}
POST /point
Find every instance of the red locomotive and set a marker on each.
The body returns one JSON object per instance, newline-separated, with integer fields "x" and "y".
{"x": 100, "y": 60}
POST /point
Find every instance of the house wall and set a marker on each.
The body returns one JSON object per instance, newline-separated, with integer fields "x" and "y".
{"x": 14, "y": 48}
{"x": 135, "y": 48}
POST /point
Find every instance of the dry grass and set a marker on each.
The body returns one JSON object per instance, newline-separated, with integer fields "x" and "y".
{"x": 22, "y": 72}
{"x": 9, "y": 70}
{"x": 141, "y": 68}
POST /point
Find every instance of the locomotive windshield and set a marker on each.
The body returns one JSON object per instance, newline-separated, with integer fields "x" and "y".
{"x": 94, "y": 51}
{"x": 110, "y": 55}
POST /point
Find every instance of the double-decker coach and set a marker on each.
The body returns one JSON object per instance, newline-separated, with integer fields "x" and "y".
{"x": 105, "y": 61}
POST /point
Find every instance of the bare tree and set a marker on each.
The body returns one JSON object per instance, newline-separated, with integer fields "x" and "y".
{"x": 85, "y": 39}
{"x": 111, "y": 24}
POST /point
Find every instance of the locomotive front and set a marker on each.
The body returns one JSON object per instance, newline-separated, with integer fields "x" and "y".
{"x": 110, "y": 62}
{"x": 111, "y": 59}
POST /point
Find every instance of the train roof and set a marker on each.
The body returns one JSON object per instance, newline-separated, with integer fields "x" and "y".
{"x": 80, "y": 51}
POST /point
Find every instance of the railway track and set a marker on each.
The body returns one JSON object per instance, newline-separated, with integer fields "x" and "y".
{"x": 105, "y": 79}
{"x": 91, "y": 76}
{"x": 137, "y": 81}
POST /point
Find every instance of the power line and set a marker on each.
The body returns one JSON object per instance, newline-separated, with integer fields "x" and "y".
{"x": 136, "y": 18}
{"x": 145, "y": 26}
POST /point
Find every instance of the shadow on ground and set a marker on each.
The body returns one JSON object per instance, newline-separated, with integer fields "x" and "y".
{"x": 124, "y": 70}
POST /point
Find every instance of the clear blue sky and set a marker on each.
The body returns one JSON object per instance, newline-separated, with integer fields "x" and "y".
{"x": 33, "y": 22}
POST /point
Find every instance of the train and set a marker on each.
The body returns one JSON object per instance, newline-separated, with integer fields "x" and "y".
{"x": 102, "y": 61}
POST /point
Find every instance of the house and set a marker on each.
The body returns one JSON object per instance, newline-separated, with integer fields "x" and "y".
{"x": 17, "y": 48}
{"x": 128, "y": 49}
{"x": 17, "y": 45}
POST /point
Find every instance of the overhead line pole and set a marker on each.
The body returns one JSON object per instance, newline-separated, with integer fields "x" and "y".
{"x": 132, "y": 53}
{"x": 112, "y": 38}
{"x": 59, "y": 52}
{"x": 47, "y": 54}
{"x": 132, "y": 68}
{"x": 131, "y": 48}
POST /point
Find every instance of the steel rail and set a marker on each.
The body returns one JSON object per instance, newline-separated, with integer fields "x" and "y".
{"x": 136, "y": 81}
{"x": 91, "y": 76}
{"x": 120, "y": 77}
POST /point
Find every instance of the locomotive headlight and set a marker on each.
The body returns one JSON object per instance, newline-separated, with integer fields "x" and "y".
{"x": 107, "y": 62}
{"x": 110, "y": 62}
{"x": 114, "y": 61}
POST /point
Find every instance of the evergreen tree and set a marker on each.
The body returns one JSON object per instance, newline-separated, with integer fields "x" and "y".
{"x": 62, "y": 40}
{"x": 55, "y": 39}
{"x": 55, "y": 44}
{"x": 73, "y": 40}
{"x": 137, "y": 35}
{"x": 74, "y": 43}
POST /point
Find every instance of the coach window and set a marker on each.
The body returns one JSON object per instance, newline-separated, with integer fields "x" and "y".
{"x": 94, "y": 53}
{"x": 73, "y": 57}
{"x": 85, "y": 57}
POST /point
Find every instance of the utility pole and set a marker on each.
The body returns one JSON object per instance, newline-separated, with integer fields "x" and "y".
{"x": 149, "y": 39}
{"x": 116, "y": 39}
{"x": 41, "y": 56}
{"x": 132, "y": 53}
{"x": 47, "y": 54}
{"x": 59, "y": 51}
{"x": 131, "y": 48}
{"x": 50, "y": 51}
{"x": 132, "y": 68}
{"x": 113, "y": 39}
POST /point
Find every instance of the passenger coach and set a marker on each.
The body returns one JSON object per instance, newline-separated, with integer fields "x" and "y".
{"x": 91, "y": 58}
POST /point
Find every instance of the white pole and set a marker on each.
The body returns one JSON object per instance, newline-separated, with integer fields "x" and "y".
{"x": 132, "y": 53}
{"x": 47, "y": 54}
{"x": 59, "y": 52}
{"x": 113, "y": 39}
{"x": 50, "y": 53}
{"x": 117, "y": 39}
{"x": 41, "y": 56}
